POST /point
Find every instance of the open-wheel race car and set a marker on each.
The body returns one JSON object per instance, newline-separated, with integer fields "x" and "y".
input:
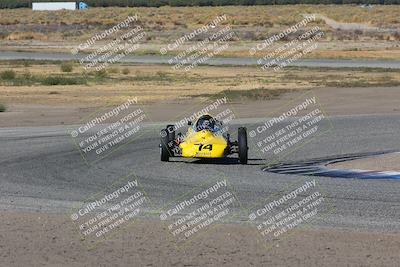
{"x": 206, "y": 139}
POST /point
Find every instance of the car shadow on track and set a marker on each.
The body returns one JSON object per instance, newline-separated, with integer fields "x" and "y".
{"x": 222, "y": 161}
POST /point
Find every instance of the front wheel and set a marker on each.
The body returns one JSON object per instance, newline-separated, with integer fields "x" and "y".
{"x": 243, "y": 148}
{"x": 164, "y": 151}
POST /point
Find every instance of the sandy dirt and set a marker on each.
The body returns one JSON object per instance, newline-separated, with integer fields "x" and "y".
{"x": 334, "y": 101}
{"x": 390, "y": 162}
{"x": 37, "y": 239}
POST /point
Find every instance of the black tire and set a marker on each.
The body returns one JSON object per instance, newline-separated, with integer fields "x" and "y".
{"x": 164, "y": 151}
{"x": 243, "y": 148}
{"x": 171, "y": 132}
{"x": 167, "y": 137}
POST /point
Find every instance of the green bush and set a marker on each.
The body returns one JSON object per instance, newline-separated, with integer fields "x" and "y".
{"x": 14, "y": 3}
{"x": 100, "y": 73}
{"x": 66, "y": 67}
{"x": 7, "y": 75}
{"x": 2, "y": 107}
{"x": 125, "y": 71}
{"x": 59, "y": 80}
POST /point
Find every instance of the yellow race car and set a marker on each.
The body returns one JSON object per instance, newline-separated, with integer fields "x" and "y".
{"x": 206, "y": 138}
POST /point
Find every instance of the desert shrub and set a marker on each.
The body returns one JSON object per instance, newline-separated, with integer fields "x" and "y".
{"x": 125, "y": 71}
{"x": 59, "y": 80}
{"x": 66, "y": 67}
{"x": 7, "y": 75}
{"x": 100, "y": 73}
{"x": 2, "y": 107}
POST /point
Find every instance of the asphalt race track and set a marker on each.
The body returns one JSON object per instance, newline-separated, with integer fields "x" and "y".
{"x": 318, "y": 167}
{"x": 150, "y": 59}
{"x": 42, "y": 170}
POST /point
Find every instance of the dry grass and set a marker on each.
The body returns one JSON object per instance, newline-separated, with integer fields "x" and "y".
{"x": 154, "y": 83}
{"x": 166, "y": 24}
{"x": 385, "y": 54}
{"x": 18, "y": 36}
{"x": 173, "y": 17}
{"x": 253, "y": 23}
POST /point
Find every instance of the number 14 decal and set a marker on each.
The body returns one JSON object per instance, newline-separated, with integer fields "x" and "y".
{"x": 202, "y": 147}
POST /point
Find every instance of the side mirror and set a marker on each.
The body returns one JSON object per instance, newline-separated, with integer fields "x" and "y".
{"x": 189, "y": 123}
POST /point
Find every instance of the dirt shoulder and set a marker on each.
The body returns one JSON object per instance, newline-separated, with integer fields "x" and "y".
{"x": 38, "y": 239}
{"x": 43, "y": 93}
{"x": 388, "y": 162}
{"x": 334, "y": 101}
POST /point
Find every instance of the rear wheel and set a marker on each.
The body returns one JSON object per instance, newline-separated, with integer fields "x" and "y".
{"x": 243, "y": 149}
